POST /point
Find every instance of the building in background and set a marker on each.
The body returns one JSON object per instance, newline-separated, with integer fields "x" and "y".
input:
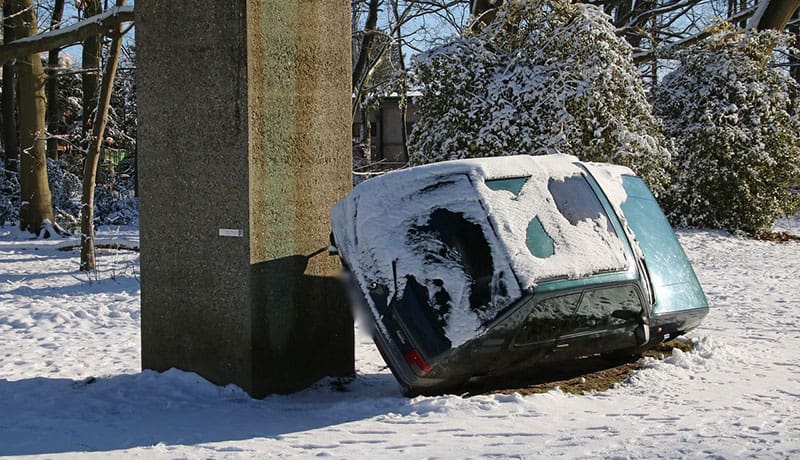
{"x": 386, "y": 137}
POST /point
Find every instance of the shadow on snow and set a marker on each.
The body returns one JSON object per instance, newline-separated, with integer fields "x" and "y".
{"x": 47, "y": 416}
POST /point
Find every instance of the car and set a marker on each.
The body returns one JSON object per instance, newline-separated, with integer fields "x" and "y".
{"x": 476, "y": 267}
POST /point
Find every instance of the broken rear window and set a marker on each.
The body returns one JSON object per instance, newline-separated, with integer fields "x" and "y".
{"x": 435, "y": 242}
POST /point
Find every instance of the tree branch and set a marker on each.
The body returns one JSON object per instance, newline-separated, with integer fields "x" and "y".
{"x": 645, "y": 56}
{"x": 101, "y": 24}
{"x": 641, "y": 18}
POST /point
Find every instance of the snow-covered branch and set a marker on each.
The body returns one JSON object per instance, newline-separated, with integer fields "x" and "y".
{"x": 100, "y": 24}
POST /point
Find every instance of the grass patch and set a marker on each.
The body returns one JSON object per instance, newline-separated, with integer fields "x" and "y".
{"x": 778, "y": 237}
{"x": 590, "y": 374}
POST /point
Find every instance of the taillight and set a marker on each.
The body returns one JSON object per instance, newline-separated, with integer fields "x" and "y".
{"x": 413, "y": 357}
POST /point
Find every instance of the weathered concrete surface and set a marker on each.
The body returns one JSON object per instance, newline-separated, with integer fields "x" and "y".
{"x": 243, "y": 125}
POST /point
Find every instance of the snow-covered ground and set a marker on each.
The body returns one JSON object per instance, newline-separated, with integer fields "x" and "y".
{"x": 71, "y": 385}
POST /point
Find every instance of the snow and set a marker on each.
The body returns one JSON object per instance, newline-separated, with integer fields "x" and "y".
{"x": 580, "y": 249}
{"x": 735, "y": 395}
{"x": 609, "y": 177}
{"x": 371, "y": 237}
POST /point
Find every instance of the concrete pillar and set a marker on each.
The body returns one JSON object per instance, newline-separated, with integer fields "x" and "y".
{"x": 244, "y": 145}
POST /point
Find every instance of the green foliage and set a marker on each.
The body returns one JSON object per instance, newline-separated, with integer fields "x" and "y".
{"x": 543, "y": 77}
{"x": 733, "y": 119}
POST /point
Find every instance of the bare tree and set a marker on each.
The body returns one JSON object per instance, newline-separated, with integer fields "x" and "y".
{"x": 766, "y": 14}
{"x": 35, "y": 206}
{"x": 382, "y": 32}
{"x": 361, "y": 72}
{"x": 93, "y": 154}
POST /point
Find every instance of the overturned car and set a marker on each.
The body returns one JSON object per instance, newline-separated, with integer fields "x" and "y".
{"x": 476, "y": 267}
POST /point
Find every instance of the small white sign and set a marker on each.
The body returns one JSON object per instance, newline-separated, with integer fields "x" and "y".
{"x": 233, "y": 232}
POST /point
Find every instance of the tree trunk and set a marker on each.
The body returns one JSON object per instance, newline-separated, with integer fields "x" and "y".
{"x": 773, "y": 14}
{"x": 478, "y": 7}
{"x": 52, "y": 83}
{"x": 35, "y": 206}
{"x": 10, "y": 142}
{"x": 93, "y": 153}
{"x": 404, "y": 86}
{"x": 92, "y": 49}
{"x": 483, "y": 11}
{"x": 361, "y": 66}
{"x": 365, "y": 136}
{"x": 794, "y": 55}
{"x": 92, "y": 59}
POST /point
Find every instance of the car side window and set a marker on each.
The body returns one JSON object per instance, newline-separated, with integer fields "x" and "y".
{"x": 607, "y": 307}
{"x": 546, "y": 320}
{"x": 604, "y": 308}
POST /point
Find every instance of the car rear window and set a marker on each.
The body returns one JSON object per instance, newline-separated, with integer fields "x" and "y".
{"x": 446, "y": 253}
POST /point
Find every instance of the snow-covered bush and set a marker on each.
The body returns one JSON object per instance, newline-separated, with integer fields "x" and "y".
{"x": 115, "y": 203}
{"x": 733, "y": 119}
{"x": 65, "y": 193}
{"x": 9, "y": 198}
{"x": 543, "y": 77}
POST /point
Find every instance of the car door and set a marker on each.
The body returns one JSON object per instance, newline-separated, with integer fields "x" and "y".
{"x": 605, "y": 319}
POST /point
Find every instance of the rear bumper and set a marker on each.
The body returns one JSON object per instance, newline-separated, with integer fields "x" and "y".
{"x": 408, "y": 379}
{"x": 666, "y": 326}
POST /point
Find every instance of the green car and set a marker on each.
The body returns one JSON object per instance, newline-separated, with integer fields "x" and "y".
{"x": 479, "y": 267}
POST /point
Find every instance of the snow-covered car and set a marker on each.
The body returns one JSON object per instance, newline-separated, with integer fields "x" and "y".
{"x": 476, "y": 267}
